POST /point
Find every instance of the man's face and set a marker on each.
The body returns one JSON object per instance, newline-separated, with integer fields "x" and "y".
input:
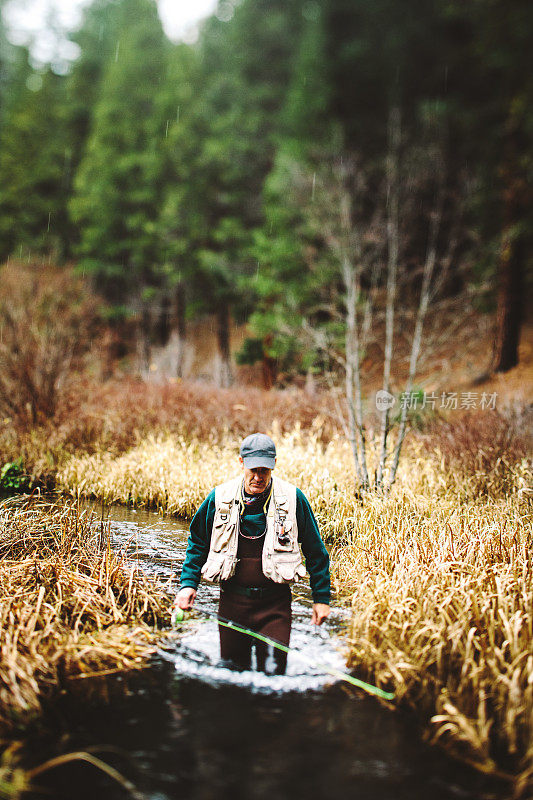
{"x": 257, "y": 479}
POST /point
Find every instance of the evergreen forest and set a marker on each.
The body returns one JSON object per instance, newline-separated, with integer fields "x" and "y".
{"x": 237, "y": 176}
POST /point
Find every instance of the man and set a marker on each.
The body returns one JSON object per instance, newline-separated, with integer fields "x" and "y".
{"x": 246, "y": 536}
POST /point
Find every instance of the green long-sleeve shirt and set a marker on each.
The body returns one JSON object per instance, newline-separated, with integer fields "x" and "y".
{"x": 253, "y": 524}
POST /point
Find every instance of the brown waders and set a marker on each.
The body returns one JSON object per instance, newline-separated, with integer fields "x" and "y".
{"x": 253, "y": 601}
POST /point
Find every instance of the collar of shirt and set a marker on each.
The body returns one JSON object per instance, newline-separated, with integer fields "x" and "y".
{"x": 246, "y": 500}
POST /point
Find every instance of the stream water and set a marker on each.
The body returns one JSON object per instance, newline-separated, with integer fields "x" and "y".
{"x": 189, "y": 727}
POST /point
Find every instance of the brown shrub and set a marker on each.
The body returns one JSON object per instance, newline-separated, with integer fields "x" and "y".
{"x": 47, "y": 321}
{"x": 482, "y": 447}
{"x": 114, "y": 416}
{"x": 117, "y": 414}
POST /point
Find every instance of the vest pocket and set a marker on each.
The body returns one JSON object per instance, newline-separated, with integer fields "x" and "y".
{"x": 228, "y": 568}
{"x": 288, "y": 567}
{"x": 212, "y": 568}
{"x": 283, "y": 547}
{"x": 221, "y": 534}
{"x": 219, "y": 568}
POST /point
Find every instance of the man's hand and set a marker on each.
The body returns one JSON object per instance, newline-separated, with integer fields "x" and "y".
{"x": 320, "y": 612}
{"x": 185, "y": 598}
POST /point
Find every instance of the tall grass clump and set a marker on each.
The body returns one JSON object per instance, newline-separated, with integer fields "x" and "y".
{"x": 174, "y": 474}
{"x": 69, "y": 606}
{"x": 478, "y": 453}
{"x": 442, "y": 604}
{"x": 115, "y": 416}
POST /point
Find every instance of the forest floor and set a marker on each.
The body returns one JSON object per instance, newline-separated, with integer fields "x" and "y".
{"x": 468, "y": 367}
{"x": 460, "y": 363}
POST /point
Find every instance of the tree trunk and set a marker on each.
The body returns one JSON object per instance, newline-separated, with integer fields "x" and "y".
{"x": 509, "y": 313}
{"x": 163, "y": 323}
{"x": 225, "y": 376}
{"x": 143, "y": 340}
{"x": 393, "y": 192}
{"x": 351, "y": 272}
{"x": 268, "y": 364}
{"x": 180, "y": 326}
{"x": 429, "y": 266}
{"x": 353, "y": 378}
{"x": 512, "y": 255}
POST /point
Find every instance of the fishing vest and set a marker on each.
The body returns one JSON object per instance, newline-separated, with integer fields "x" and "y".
{"x": 282, "y": 563}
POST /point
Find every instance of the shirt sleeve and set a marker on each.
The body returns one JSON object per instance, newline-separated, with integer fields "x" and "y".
{"x": 198, "y": 543}
{"x": 314, "y": 551}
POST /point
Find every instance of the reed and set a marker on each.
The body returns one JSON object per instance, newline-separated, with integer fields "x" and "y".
{"x": 173, "y": 474}
{"x": 70, "y": 607}
{"x": 442, "y": 607}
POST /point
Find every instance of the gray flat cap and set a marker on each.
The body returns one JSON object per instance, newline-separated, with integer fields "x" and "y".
{"x": 258, "y": 450}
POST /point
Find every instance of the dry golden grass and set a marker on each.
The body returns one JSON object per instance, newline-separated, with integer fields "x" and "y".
{"x": 438, "y": 574}
{"x": 17, "y": 783}
{"x": 442, "y": 605}
{"x": 172, "y": 473}
{"x": 69, "y": 606}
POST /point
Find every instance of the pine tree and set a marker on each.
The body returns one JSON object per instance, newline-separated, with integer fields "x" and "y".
{"x": 34, "y": 148}
{"x": 294, "y": 278}
{"x": 222, "y": 151}
{"x": 8, "y": 58}
{"x": 119, "y": 181}
{"x": 97, "y": 39}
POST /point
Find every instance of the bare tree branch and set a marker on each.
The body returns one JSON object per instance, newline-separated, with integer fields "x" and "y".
{"x": 392, "y": 269}
{"x": 429, "y": 265}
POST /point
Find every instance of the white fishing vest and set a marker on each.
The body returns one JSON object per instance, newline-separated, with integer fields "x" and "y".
{"x": 281, "y": 563}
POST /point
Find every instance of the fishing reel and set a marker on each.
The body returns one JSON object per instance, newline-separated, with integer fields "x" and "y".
{"x": 177, "y": 616}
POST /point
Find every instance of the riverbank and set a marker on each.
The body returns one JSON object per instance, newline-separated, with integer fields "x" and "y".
{"x": 70, "y": 607}
{"x": 438, "y": 574}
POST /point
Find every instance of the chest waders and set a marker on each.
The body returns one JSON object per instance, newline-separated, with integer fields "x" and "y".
{"x": 255, "y": 602}
{"x": 254, "y": 573}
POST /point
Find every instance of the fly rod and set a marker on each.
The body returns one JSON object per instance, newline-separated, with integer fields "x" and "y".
{"x": 179, "y": 616}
